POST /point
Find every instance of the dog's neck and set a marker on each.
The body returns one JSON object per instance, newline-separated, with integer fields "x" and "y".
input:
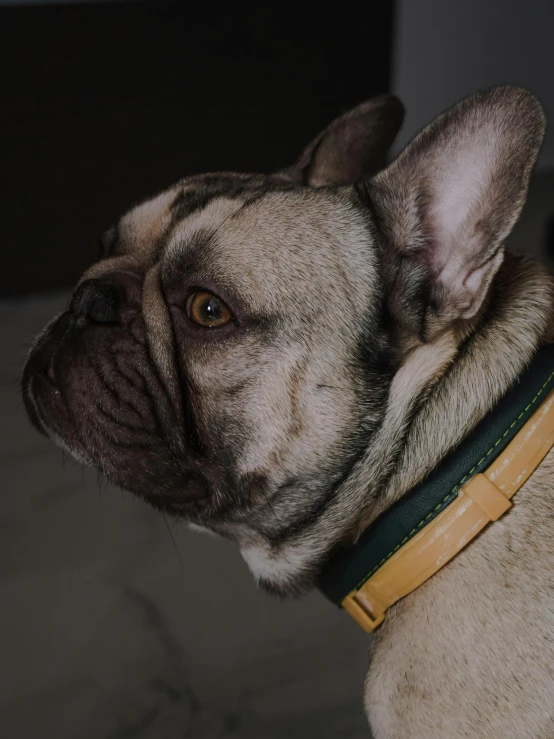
{"x": 441, "y": 391}
{"x": 519, "y": 319}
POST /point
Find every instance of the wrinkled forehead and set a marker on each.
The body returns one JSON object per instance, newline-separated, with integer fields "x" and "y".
{"x": 269, "y": 243}
{"x": 147, "y": 228}
{"x": 260, "y": 236}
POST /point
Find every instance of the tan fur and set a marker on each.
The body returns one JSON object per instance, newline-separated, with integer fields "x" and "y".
{"x": 471, "y": 652}
{"x": 379, "y": 323}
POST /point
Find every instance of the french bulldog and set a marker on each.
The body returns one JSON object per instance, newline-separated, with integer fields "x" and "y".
{"x": 279, "y": 359}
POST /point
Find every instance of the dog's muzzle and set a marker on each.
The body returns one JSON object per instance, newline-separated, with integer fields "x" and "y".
{"x": 91, "y": 384}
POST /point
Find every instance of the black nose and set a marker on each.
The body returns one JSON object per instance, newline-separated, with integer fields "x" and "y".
{"x": 98, "y": 301}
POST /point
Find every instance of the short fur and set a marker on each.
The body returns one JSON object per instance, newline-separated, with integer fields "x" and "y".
{"x": 377, "y": 319}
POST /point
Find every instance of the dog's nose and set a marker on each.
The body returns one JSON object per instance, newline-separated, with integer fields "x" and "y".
{"x": 98, "y": 301}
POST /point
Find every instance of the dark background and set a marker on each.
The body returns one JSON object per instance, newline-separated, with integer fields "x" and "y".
{"x": 104, "y": 104}
{"x": 115, "y": 623}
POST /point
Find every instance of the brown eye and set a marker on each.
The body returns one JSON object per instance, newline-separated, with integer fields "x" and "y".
{"x": 207, "y": 310}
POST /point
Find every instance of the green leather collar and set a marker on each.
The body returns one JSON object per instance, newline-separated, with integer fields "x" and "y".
{"x": 350, "y": 567}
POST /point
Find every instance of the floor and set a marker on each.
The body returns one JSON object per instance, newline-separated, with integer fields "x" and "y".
{"x": 115, "y": 625}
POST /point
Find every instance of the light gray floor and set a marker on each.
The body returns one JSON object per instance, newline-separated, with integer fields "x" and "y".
{"x": 107, "y": 633}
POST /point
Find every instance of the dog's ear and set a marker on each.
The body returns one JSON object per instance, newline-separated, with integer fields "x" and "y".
{"x": 448, "y": 202}
{"x": 353, "y": 147}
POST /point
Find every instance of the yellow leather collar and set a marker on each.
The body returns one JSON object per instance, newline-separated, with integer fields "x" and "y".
{"x": 483, "y": 498}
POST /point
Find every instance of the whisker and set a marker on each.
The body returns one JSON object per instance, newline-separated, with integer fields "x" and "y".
{"x": 270, "y": 506}
{"x": 176, "y": 549}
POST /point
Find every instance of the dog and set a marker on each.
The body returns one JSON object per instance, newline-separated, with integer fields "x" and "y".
{"x": 280, "y": 359}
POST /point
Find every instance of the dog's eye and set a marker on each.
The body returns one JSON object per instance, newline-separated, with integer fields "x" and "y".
{"x": 207, "y": 310}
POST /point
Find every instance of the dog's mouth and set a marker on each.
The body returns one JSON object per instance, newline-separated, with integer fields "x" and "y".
{"x": 41, "y": 394}
{"x": 93, "y": 390}
{"x": 51, "y": 374}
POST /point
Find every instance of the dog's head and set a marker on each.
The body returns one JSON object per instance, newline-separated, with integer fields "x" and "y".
{"x": 230, "y": 357}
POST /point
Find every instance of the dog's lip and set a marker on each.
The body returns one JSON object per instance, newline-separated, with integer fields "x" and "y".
{"x": 40, "y": 363}
{"x": 46, "y": 382}
{"x": 51, "y": 374}
{"x": 46, "y": 409}
{"x": 44, "y": 375}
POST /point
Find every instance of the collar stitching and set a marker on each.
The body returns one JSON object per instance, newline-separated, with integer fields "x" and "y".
{"x": 452, "y": 494}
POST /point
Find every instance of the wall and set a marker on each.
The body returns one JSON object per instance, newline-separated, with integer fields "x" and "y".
{"x": 105, "y": 104}
{"x": 446, "y": 50}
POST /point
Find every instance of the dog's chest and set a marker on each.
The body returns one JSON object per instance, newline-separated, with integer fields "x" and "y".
{"x": 469, "y": 646}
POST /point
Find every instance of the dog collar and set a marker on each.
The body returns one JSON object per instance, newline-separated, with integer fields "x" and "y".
{"x": 470, "y": 487}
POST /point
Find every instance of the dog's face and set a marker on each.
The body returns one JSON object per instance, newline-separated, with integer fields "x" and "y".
{"x": 213, "y": 359}
{"x": 230, "y": 357}
{"x": 218, "y": 356}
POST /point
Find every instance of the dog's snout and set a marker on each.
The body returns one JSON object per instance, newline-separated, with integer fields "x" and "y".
{"x": 98, "y": 301}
